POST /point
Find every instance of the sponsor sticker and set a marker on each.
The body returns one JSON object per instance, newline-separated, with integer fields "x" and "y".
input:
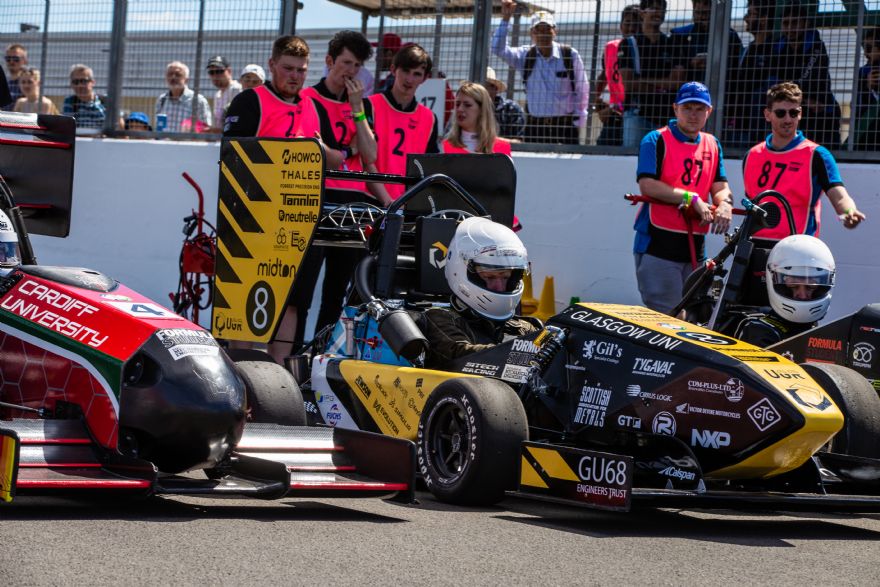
{"x": 763, "y": 414}
{"x": 652, "y": 367}
{"x": 635, "y": 390}
{"x": 709, "y": 438}
{"x": 863, "y": 355}
{"x": 480, "y": 369}
{"x": 688, "y": 408}
{"x": 664, "y": 423}
{"x": 145, "y": 310}
{"x": 592, "y": 406}
{"x": 733, "y": 389}
{"x": 706, "y": 338}
{"x": 514, "y": 373}
{"x": 600, "y": 350}
{"x": 183, "y": 342}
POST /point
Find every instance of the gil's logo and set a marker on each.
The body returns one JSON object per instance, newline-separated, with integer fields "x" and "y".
{"x": 437, "y": 255}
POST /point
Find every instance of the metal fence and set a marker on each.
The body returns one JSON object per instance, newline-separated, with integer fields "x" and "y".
{"x": 739, "y": 47}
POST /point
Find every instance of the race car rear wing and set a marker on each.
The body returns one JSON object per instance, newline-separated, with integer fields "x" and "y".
{"x": 36, "y": 162}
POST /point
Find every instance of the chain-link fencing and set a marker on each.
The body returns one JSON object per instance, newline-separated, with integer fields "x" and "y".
{"x": 566, "y": 74}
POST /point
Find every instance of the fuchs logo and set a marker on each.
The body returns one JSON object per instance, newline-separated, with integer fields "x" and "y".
{"x": 437, "y": 255}
{"x": 863, "y": 355}
{"x": 763, "y": 414}
{"x": 362, "y": 385}
{"x": 652, "y": 367}
{"x": 524, "y": 346}
{"x": 602, "y": 351}
{"x": 733, "y": 389}
{"x": 775, "y": 374}
{"x": 706, "y": 338}
{"x": 676, "y": 473}
{"x": 709, "y": 438}
{"x": 664, "y": 423}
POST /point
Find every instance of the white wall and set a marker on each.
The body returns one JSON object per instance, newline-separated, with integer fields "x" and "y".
{"x": 130, "y": 199}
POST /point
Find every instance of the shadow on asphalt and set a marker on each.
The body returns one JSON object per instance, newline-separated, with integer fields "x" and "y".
{"x": 774, "y": 529}
{"x": 158, "y": 509}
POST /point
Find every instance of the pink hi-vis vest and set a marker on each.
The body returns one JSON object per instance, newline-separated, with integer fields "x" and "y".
{"x": 500, "y": 146}
{"x": 789, "y": 173}
{"x": 283, "y": 119}
{"x": 344, "y": 130}
{"x": 691, "y": 167}
{"x": 399, "y": 133}
{"x": 612, "y": 73}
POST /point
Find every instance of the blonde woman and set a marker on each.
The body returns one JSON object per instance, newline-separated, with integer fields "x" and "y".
{"x": 473, "y": 125}
{"x": 29, "y": 82}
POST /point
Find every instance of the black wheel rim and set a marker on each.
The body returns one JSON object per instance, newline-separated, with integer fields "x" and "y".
{"x": 450, "y": 439}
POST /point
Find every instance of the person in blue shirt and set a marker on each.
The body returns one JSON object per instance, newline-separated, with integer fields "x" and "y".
{"x": 557, "y": 91}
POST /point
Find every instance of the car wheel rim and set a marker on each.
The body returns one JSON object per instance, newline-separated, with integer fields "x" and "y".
{"x": 450, "y": 441}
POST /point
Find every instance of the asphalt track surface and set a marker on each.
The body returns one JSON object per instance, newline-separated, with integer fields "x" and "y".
{"x": 194, "y": 541}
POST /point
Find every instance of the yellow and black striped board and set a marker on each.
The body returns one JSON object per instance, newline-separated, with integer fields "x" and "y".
{"x": 269, "y": 204}
{"x": 589, "y": 478}
{"x": 9, "y": 446}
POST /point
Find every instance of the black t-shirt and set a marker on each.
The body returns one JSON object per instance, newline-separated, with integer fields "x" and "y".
{"x": 650, "y": 61}
{"x": 5, "y": 96}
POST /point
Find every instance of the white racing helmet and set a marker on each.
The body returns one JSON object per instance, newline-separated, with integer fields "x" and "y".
{"x": 480, "y": 245}
{"x": 800, "y": 275}
{"x": 10, "y": 254}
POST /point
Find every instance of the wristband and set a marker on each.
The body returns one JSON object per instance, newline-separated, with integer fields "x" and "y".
{"x": 849, "y": 211}
{"x": 687, "y": 199}
{"x": 359, "y": 116}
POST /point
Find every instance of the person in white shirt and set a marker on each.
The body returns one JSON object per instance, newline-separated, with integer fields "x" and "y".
{"x": 220, "y": 72}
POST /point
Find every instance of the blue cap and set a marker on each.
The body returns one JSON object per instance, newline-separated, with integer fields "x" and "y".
{"x": 693, "y": 92}
{"x": 138, "y": 117}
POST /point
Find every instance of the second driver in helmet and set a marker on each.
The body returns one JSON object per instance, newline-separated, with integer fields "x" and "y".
{"x": 484, "y": 268}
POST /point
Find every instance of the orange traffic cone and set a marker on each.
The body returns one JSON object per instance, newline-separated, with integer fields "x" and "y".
{"x": 547, "y": 304}
{"x": 528, "y": 302}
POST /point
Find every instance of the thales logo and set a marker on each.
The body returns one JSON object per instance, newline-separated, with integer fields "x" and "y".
{"x": 276, "y": 268}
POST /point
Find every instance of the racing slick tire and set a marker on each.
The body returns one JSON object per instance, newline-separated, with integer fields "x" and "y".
{"x": 469, "y": 440}
{"x": 857, "y": 399}
{"x": 273, "y": 397}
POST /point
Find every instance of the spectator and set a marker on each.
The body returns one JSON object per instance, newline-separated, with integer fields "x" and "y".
{"x": 509, "y": 115}
{"x": 473, "y": 126}
{"x": 16, "y": 61}
{"x": 692, "y": 41}
{"x": 88, "y": 108}
{"x": 869, "y": 73}
{"x": 220, "y": 73}
{"x": 387, "y": 48}
{"x": 401, "y": 124}
{"x": 31, "y": 101}
{"x": 610, "y": 113}
{"x": 339, "y": 100}
{"x": 176, "y": 105}
{"x": 802, "y": 59}
{"x": 252, "y": 76}
{"x": 678, "y": 164}
{"x": 790, "y": 163}
{"x": 4, "y": 88}
{"x": 651, "y": 71}
{"x": 557, "y": 91}
{"x": 751, "y": 79}
{"x": 138, "y": 121}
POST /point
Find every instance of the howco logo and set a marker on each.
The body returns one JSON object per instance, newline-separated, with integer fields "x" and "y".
{"x": 664, "y": 423}
{"x": 863, "y": 355}
{"x": 437, "y": 255}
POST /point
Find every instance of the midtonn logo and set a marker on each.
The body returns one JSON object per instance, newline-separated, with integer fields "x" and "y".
{"x": 764, "y": 415}
{"x": 664, "y": 423}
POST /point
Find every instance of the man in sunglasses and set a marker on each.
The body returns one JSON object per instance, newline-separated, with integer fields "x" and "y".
{"x": 85, "y": 105}
{"x": 793, "y": 165}
{"x": 799, "y": 169}
{"x": 220, "y": 72}
{"x": 16, "y": 62}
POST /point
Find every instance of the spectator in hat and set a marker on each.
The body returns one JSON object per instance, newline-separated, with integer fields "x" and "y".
{"x": 220, "y": 72}
{"x": 508, "y": 114}
{"x": 557, "y": 91}
{"x": 252, "y": 75}
{"x": 138, "y": 121}
{"x": 386, "y": 49}
{"x": 176, "y": 105}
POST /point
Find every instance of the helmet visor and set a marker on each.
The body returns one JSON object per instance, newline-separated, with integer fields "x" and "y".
{"x": 498, "y": 278}
{"x": 802, "y": 283}
{"x": 9, "y": 254}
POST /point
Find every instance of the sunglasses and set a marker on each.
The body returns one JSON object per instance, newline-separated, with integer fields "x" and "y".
{"x": 12, "y": 58}
{"x": 80, "y": 82}
{"x": 781, "y": 112}
{"x": 216, "y": 71}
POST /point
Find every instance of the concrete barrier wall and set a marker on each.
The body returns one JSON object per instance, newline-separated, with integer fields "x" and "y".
{"x": 130, "y": 199}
